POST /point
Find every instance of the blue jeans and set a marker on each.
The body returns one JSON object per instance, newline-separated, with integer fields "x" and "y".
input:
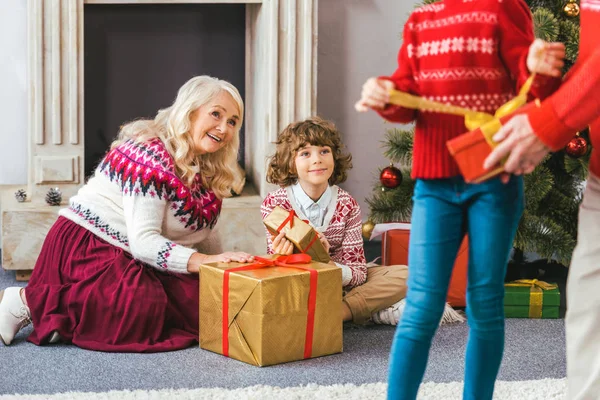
{"x": 443, "y": 211}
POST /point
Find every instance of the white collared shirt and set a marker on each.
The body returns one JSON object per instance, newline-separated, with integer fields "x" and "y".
{"x": 315, "y": 211}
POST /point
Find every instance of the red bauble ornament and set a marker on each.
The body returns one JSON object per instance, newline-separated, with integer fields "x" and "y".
{"x": 390, "y": 177}
{"x": 577, "y": 147}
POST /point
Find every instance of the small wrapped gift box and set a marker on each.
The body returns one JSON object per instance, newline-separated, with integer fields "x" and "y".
{"x": 472, "y": 148}
{"x": 275, "y": 310}
{"x": 530, "y": 298}
{"x": 302, "y": 235}
{"x": 394, "y": 251}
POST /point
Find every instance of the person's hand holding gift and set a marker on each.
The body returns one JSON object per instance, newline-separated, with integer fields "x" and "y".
{"x": 281, "y": 245}
{"x": 517, "y": 138}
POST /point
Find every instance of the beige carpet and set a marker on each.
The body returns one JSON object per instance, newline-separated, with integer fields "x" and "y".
{"x": 545, "y": 389}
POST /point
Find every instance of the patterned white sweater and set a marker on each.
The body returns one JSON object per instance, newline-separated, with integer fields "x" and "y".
{"x": 135, "y": 201}
{"x": 341, "y": 227}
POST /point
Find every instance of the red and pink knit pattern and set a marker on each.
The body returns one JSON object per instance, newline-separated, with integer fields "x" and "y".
{"x": 147, "y": 169}
{"x": 343, "y": 231}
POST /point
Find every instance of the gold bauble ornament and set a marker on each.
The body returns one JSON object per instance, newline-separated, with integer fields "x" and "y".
{"x": 571, "y": 8}
{"x": 367, "y": 229}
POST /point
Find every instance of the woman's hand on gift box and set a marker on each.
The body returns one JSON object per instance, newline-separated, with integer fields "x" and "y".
{"x": 231, "y": 256}
{"x": 198, "y": 259}
{"x": 281, "y": 245}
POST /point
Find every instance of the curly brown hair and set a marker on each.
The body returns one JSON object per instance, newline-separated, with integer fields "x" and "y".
{"x": 314, "y": 131}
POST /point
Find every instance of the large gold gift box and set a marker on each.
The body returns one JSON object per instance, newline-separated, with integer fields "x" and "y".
{"x": 276, "y": 311}
{"x": 304, "y": 237}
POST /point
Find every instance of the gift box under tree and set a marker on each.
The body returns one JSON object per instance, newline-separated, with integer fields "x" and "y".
{"x": 394, "y": 250}
{"x": 275, "y": 310}
{"x": 530, "y": 298}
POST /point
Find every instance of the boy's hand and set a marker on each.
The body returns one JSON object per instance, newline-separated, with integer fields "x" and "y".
{"x": 324, "y": 242}
{"x": 281, "y": 245}
{"x": 375, "y": 94}
{"x": 546, "y": 58}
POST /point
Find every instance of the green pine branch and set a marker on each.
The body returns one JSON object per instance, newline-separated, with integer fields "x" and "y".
{"x": 546, "y": 25}
{"x": 387, "y": 205}
{"x": 569, "y": 35}
{"x": 398, "y": 145}
{"x": 544, "y": 237}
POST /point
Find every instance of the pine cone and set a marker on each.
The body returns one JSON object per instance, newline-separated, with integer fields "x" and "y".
{"x": 53, "y": 197}
{"x": 21, "y": 195}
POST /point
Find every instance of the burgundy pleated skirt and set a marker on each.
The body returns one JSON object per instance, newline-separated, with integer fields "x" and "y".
{"x": 99, "y": 298}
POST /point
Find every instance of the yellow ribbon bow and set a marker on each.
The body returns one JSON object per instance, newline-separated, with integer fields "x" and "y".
{"x": 532, "y": 283}
{"x": 536, "y": 294}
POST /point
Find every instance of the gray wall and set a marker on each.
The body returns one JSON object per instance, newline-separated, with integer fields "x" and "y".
{"x": 358, "y": 39}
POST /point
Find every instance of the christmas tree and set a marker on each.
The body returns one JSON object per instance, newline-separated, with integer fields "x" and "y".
{"x": 553, "y": 191}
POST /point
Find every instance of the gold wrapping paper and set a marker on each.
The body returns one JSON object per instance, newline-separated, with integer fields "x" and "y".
{"x": 300, "y": 233}
{"x": 536, "y": 295}
{"x": 268, "y": 312}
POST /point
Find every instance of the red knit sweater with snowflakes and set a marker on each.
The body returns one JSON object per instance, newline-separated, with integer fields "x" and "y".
{"x": 466, "y": 53}
{"x": 576, "y": 104}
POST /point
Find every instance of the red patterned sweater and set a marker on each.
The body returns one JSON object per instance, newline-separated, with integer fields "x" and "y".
{"x": 341, "y": 227}
{"x": 576, "y": 104}
{"x": 466, "y": 53}
{"x": 135, "y": 201}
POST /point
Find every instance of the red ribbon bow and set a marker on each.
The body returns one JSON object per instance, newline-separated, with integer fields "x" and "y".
{"x": 290, "y": 219}
{"x": 290, "y": 261}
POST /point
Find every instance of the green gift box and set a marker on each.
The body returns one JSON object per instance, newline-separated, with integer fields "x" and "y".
{"x": 530, "y": 298}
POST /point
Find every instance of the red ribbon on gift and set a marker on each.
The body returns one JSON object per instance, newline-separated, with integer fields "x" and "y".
{"x": 290, "y": 219}
{"x": 290, "y": 261}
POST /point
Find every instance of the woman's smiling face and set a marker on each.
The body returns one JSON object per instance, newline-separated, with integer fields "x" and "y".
{"x": 214, "y": 124}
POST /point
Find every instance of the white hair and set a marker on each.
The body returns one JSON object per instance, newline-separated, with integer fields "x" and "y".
{"x": 219, "y": 170}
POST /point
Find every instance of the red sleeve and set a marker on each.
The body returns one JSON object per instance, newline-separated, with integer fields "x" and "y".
{"x": 403, "y": 79}
{"x": 574, "y": 105}
{"x": 267, "y": 206}
{"x": 515, "y": 35}
{"x": 351, "y": 253}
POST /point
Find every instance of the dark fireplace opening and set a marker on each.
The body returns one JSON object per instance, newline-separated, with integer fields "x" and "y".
{"x": 136, "y": 56}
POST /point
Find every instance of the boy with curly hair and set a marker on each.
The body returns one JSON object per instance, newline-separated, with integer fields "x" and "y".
{"x": 308, "y": 164}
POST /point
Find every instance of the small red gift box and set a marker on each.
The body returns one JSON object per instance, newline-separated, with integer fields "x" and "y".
{"x": 394, "y": 250}
{"x": 472, "y": 148}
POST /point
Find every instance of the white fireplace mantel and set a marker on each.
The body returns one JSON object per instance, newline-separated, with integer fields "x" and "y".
{"x": 281, "y": 40}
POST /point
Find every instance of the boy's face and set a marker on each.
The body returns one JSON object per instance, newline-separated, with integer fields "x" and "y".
{"x": 314, "y": 165}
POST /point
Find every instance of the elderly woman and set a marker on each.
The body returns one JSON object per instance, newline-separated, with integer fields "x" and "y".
{"x": 118, "y": 270}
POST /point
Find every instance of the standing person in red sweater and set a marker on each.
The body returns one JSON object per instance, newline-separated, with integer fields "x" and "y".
{"x": 529, "y": 138}
{"x": 474, "y": 54}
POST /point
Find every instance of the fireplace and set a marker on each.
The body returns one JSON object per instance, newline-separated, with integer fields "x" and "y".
{"x": 137, "y": 56}
{"x": 279, "y": 82}
{"x": 279, "y": 87}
